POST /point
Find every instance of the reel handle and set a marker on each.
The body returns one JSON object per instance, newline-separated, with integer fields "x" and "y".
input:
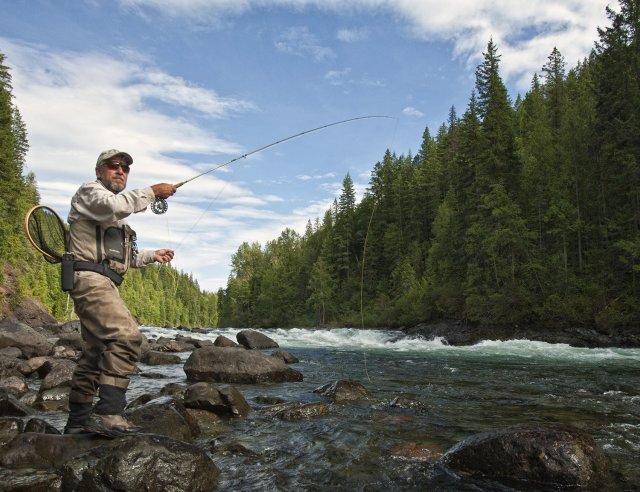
{"x": 160, "y": 205}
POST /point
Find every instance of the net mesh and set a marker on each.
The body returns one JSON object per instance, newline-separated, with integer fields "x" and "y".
{"x": 47, "y": 233}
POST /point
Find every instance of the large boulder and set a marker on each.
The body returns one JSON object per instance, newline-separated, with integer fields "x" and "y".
{"x": 142, "y": 462}
{"x": 553, "y": 455}
{"x": 28, "y": 340}
{"x": 237, "y": 366}
{"x": 252, "y": 339}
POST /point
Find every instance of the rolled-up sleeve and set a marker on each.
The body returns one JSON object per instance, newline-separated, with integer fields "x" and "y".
{"x": 95, "y": 202}
{"x": 143, "y": 258}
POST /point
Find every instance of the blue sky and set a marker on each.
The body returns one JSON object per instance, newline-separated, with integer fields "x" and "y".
{"x": 186, "y": 85}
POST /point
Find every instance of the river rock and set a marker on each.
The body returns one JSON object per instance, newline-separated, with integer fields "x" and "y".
{"x": 343, "y": 391}
{"x": 142, "y": 462}
{"x": 286, "y": 357}
{"x": 297, "y": 410}
{"x": 41, "y": 426}
{"x": 223, "y": 400}
{"x": 30, "y": 480}
{"x": 237, "y": 366}
{"x": 10, "y": 407}
{"x": 37, "y": 450}
{"x": 72, "y": 340}
{"x": 252, "y": 339}
{"x": 165, "y": 416}
{"x": 16, "y": 385}
{"x": 156, "y": 358}
{"x": 553, "y": 455}
{"x": 58, "y": 373}
{"x": 28, "y": 340}
{"x": 416, "y": 452}
{"x": 54, "y": 399}
{"x": 12, "y": 352}
{"x": 10, "y": 427}
{"x": 222, "y": 341}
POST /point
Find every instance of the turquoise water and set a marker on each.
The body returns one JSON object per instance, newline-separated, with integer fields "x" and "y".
{"x": 463, "y": 390}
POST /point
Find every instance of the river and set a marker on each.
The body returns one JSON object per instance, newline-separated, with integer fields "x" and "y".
{"x": 464, "y": 390}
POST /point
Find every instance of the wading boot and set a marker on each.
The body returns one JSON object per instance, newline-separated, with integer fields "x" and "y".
{"x": 108, "y": 415}
{"x": 79, "y": 414}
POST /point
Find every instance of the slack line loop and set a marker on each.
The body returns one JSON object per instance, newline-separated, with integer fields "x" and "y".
{"x": 160, "y": 205}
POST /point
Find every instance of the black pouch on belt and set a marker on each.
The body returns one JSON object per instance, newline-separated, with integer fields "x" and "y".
{"x": 67, "y": 272}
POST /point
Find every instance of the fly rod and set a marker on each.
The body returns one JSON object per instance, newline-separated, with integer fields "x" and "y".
{"x": 160, "y": 206}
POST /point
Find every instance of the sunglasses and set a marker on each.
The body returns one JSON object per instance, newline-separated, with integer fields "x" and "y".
{"x": 115, "y": 165}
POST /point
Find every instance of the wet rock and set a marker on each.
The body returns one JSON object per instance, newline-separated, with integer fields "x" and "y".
{"x": 555, "y": 455}
{"x": 285, "y": 357}
{"x": 297, "y": 411}
{"x": 416, "y": 452}
{"x": 165, "y": 416}
{"x": 22, "y": 336}
{"x": 37, "y": 450}
{"x": 222, "y": 341}
{"x": 156, "y": 358}
{"x": 175, "y": 346}
{"x": 41, "y": 426}
{"x": 11, "y": 407}
{"x": 237, "y": 366}
{"x": 252, "y": 339}
{"x": 143, "y": 462}
{"x": 407, "y": 403}
{"x": 140, "y": 400}
{"x": 223, "y": 400}
{"x": 54, "y": 399}
{"x": 29, "y": 480}
{"x": 10, "y": 427}
{"x": 173, "y": 389}
{"x": 343, "y": 391}
{"x": 208, "y": 422}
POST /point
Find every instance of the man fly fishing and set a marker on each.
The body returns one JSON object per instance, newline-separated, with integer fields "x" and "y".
{"x": 103, "y": 247}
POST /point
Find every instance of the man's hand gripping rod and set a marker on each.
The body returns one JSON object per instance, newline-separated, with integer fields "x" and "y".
{"x": 160, "y": 206}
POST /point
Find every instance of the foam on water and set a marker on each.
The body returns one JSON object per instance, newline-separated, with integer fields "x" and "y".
{"x": 353, "y": 339}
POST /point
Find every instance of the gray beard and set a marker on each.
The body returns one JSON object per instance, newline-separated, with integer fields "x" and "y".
{"x": 115, "y": 188}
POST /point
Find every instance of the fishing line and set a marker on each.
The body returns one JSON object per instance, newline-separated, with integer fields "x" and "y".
{"x": 364, "y": 254}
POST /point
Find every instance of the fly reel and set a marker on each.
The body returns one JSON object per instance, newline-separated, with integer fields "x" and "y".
{"x": 160, "y": 206}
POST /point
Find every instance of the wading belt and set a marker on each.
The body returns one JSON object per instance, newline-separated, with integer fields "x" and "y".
{"x": 88, "y": 266}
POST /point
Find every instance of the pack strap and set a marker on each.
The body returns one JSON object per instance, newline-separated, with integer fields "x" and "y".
{"x": 88, "y": 266}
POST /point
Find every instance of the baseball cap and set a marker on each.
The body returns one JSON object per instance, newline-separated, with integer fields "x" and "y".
{"x": 108, "y": 154}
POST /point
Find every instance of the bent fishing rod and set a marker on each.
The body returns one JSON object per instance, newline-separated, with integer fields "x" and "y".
{"x": 160, "y": 206}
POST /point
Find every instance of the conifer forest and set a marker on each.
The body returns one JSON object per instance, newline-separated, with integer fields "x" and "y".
{"x": 513, "y": 211}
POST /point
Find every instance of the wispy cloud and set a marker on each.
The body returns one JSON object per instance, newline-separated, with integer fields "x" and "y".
{"x": 343, "y": 77}
{"x": 352, "y": 35}
{"x": 300, "y": 41}
{"x": 524, "y": 31}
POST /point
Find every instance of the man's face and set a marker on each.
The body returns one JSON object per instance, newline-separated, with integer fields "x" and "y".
{"x": 113, "y": 173}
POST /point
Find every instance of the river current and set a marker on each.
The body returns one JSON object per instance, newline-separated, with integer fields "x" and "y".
{"x": 463, "y": 390}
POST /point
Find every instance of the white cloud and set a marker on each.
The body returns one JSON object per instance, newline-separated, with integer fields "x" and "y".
{"x": 525, "y": 31}
{"x": 411, "y": 111}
